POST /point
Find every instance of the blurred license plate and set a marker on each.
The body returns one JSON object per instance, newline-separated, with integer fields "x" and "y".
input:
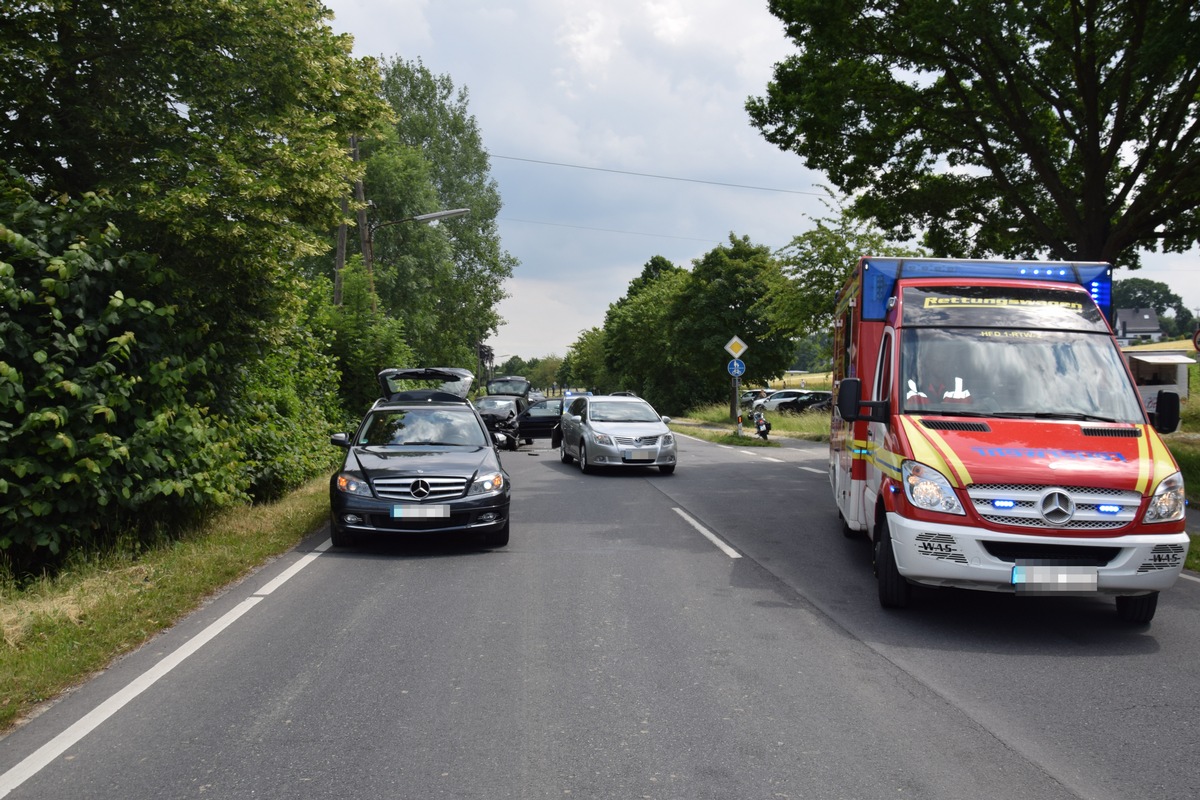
{"x": 420, "y": 512}
{"x": 639, "y": 455}
{"x": 1037, "y": 578}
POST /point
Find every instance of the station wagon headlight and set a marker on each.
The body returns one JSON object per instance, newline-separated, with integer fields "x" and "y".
{"x": 927, "y": 488}
{"x": 1168, "y": 502}
{"x": 668, "y": 439}
{"x": 486, "y": 484}
{"x": 349, "y": 484}
{"x": 602, "y": 438}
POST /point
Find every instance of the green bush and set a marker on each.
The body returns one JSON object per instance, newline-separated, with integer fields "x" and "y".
{"x": 97, "y": 434}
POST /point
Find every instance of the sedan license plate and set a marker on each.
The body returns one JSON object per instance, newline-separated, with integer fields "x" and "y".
{"x": 639, "y": 455}
{"x": 1046, "y": 579}
{"x": 420, "y": 512}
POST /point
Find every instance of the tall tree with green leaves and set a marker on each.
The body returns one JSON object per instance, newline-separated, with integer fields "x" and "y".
{"x": 722, "y": 298}
{"x": 637, "y": 330}
{"x": 216, "y": 132}
{"x": 816, "y": 264}
{"x": 218, "y": 128}
{"x": 1018, "y": 129}
{"x": 448, "y": 299}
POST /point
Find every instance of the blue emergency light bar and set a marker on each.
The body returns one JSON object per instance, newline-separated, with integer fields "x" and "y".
{"x": 879, "y": 276}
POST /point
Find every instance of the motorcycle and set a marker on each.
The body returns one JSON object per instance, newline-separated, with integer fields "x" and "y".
{"x": 761, "y": 426}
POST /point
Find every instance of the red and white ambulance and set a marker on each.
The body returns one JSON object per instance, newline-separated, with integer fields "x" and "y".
{"x": 987, "y": 434}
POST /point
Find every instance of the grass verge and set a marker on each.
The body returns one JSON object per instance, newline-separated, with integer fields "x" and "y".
{"x": 58, "y": 630}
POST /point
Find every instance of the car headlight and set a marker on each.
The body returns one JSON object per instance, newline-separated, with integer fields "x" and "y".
{"x": 353, "y": 485}
{"x": 927, "y": 488}
{"x": 486, "y": 484}
{"x": 1168, "y": 502}
{"x": 602, "y": 438}
{"x": 668, "y": 439}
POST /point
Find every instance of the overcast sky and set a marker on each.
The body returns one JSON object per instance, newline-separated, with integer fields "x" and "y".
{"x": 580, "y": 103}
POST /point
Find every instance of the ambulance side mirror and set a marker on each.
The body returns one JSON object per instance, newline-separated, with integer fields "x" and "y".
{"x": 1166, "y": 412}
{"x": 852, "y": 407}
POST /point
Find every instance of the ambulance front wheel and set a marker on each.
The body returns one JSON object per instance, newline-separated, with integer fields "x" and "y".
{"x": 894, "y": 590}
{"x": 1138, "y": 609}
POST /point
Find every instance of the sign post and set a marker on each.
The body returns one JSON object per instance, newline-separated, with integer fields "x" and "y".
{"x": 737, "y": 368}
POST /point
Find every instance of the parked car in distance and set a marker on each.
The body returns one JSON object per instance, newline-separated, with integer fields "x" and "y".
{"x": 540, "y": 419}
{"x": 772, "y": 402}
{"x": 813, "y": 399}
{"x": 750, "y": 395}
{"x": 421, "y": 463}
{"x": 607, "y": 430}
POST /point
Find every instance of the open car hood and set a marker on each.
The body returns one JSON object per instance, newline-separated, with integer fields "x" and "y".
{"x": 394, "y": 383}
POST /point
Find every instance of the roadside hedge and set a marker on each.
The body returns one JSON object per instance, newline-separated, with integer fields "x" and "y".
{"x": 97, "y": 431}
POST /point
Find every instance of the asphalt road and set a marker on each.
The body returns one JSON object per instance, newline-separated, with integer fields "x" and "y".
{"x": 614, "y": 650}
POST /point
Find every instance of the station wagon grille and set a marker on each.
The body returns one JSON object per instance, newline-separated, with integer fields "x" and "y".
{"x": 1092, "y": 509}
{"x": 636, "y": 441}
{"x": 420, "y": 488}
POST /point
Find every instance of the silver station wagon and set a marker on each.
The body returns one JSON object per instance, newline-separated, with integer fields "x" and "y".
{"x": 615, "y": 431}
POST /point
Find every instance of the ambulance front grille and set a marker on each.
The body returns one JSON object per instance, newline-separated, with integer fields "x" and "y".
{"x": 1092, "y": 508}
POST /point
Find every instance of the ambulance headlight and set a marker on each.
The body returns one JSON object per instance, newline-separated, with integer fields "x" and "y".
{"x": 927, "y": 488}
{"x": 1168, "y": 502}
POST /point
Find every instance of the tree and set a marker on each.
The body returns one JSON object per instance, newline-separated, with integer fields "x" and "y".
{"x": 1016, "y": 129}
{"x": 637, "y": 331}
{"x": 218, "y": 128}
{"x": 722, "y": 298}
{"x": 460, "y": 288}
{"x": 588, "y": 368}
{"x": 635, "y": 322}
{"x": 815, "y": 265}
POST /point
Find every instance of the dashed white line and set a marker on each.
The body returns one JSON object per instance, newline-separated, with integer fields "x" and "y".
{"x": 712, "y": 537}
{"x": 813, "y": 469}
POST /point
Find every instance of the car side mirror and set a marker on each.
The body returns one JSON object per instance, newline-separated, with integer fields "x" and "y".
{"x": 498, "y": 439}
{"x": 340, "y": 439}
{"x": 666, "y": 420}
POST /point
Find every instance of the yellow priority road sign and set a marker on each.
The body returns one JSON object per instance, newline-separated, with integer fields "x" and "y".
{"x": 735, "y": 347}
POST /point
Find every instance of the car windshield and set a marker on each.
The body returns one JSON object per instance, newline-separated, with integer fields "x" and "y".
{"x": 602, "y": 411}
{"x": 1023, "y": 373}
{"x": 422, "y": 426}
{"x": 503, "y": 386}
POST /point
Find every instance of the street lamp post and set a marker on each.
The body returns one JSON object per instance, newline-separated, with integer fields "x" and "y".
{"x": 422, "y": 219}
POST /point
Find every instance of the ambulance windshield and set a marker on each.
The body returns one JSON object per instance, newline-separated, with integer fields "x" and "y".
{"x": 1015, "y": 372}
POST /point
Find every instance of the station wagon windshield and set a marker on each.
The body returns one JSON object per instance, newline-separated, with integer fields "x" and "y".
{"x": 421, "y": 426}
{"x": 622, "y": 412}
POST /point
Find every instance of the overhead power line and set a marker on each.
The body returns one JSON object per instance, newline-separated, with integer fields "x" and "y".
{"x": 658, "y": 177}
{"x": 607, "y": 230}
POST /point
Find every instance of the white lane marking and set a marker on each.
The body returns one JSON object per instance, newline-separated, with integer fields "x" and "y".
{"x": 287, "y": 574}
{"x": 712, "y": 537}
{"x": 776, "y": 460}
{"x": 1187, "y": 577}
{"x": 813, "y": 469}
{"x": 748, "y": 452}
{"x": 40, "y": 758}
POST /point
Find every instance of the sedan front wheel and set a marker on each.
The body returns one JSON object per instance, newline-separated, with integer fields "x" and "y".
{"x": 583, "y": 462}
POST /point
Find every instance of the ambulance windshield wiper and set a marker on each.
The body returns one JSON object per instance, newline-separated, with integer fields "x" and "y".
{"x": 1053, "y": 415}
